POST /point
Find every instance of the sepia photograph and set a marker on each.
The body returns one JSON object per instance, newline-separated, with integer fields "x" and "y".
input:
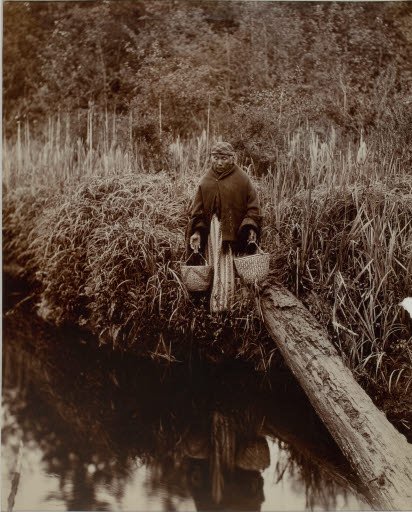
{"x": 207, "y": 255}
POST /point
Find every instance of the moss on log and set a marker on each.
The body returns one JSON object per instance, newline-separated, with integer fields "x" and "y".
{"x": 379, "y": 454}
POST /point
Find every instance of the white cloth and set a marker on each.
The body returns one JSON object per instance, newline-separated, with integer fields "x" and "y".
{"x": 223, "y": 288}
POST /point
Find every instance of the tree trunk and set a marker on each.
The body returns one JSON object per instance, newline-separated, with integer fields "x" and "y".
{"x": 379, "y": 454}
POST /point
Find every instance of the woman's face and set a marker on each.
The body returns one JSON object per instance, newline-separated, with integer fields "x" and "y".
{"x": 220, "y": 162}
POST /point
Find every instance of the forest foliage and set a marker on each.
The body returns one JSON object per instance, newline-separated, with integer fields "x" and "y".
{"x": 250, "y": 71}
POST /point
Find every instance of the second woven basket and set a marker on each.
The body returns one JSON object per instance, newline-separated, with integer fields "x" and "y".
{"x": 197, "y": 278}
{"x": 254, "y": 267}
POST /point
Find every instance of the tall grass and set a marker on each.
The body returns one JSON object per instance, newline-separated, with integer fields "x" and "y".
{"x": 107, "y": 239}
{"x": 59, "y": 153}
{"x": 69, "y": 150}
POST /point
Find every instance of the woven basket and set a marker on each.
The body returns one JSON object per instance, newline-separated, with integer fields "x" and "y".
{"x": 196, "y": 278}
{"x": 253, "y": 268}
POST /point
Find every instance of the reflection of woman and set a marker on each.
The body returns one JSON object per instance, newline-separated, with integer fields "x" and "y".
{"x": 224, "y": 467}
{"x": 225, "y": 215}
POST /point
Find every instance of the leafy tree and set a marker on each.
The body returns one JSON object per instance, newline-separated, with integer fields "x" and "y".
{"x": 345, "y": 63}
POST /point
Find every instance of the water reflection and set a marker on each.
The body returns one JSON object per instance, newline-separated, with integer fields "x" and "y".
{"x": 113, "y": 432}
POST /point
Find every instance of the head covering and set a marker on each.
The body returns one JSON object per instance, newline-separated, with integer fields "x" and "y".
{"x": 222, "y": 148}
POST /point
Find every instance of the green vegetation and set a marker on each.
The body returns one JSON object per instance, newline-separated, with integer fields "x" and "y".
{"x": 250, "y": 71}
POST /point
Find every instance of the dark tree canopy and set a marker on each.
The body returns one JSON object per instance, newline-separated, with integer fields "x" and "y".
{"x": 254, "y": 63}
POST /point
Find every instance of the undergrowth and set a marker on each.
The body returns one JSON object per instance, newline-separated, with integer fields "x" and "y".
{"x": 347, "y": 255}
{"x": 108, "y": 257}
{"x": 105, "y": 247}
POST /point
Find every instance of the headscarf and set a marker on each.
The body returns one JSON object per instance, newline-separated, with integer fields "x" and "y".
{"x": 222, "y": 148}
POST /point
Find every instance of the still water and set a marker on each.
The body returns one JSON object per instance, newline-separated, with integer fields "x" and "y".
{"x": 108, "y": 432}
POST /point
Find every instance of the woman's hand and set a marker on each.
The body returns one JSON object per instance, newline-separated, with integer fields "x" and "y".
{"x": 251, "y": 236}
{"x": 194, "y": 241}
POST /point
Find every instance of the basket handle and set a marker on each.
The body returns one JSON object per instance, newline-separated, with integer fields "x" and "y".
{"x": 196, "y": 251}
{"x": 258, "y": 248}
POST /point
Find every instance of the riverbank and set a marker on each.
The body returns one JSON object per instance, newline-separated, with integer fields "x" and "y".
{"x": 111, "y": 266}
{"x": 102, "y": 252}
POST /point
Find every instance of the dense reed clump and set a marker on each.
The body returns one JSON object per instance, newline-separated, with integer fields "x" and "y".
{"x": 109, "y": 256}
{"x": 111, "y": 246}
{"x": 347, "y": 253}
{"x": 22, "y": 208}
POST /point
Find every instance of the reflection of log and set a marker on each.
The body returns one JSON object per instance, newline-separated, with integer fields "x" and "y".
{"x": 341, "y": 475}
{"x": 376, "y": 450}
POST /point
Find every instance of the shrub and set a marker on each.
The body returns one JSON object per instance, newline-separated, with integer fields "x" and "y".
{"x": 350, "y": 247}
{"x": 109, "y": 258}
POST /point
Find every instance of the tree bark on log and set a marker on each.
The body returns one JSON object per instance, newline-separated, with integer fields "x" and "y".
{"x": 379, "y": 454}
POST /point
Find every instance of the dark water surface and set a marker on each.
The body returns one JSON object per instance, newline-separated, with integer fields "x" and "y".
{"x": 109, "y": 432}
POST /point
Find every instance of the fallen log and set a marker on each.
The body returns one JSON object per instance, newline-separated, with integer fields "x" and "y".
{"x": 379, "y": 454}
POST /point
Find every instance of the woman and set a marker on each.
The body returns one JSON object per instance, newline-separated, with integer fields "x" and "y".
{"x": 225, "y": 216}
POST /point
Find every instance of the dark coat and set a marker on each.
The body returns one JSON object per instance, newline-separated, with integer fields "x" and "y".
{"x": 232, "y": 196}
